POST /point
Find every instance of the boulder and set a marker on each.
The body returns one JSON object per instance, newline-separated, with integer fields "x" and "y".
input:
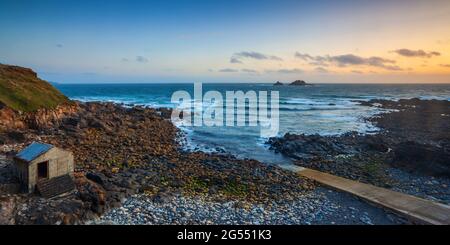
{"x": 422, "y": 158}
{"x": 96, "y": 177}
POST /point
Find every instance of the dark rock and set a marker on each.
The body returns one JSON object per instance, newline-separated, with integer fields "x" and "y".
{"x": 91, "y": 192}
{"x": 72, "y": 121}
{"x": 125, "y": 163}
{"x": 165, "y": 112}
{"x": 213, "y": 190}
{"x": 97, "y": 178}
{"x": 422, "y": 158}
{"x": 298, "y": 83}
{"x": 3, "y": 140}
{"x": 16, "y": 136}
{"x": 95, "y": 123}
{"x": 128, "y": 183}
{"x": 161, "y": 197}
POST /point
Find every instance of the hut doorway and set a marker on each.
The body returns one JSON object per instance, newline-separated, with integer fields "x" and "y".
{"x": 42, "y": 170}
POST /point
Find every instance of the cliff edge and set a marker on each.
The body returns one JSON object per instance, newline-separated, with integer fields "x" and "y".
{"x": 22, "y": 90}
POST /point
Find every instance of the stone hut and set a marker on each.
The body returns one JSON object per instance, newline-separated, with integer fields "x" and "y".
{"x": 46, "y": 168}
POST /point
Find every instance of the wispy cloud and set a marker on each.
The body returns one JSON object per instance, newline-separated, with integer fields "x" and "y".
{"x": 273, "y": 57}
{"x": 349, "y": 60}
{"x": 237, "y": 57}
{"x": 228, "y": 70}
{"x": 235, "y": 60}
{"x": 321, "y": 70}
{"x": 287, "y": 71}
{"x": 305, "y": 56}
{"x": 445, "y": 65}
{"x": 249, "y": 71}
{"x": 253, "y": 55}
{"x": 416, "y": 53}
{"x": 59, "y": 45}
{"x": 141, "y": 59}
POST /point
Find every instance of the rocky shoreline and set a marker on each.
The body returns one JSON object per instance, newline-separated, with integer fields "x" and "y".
{"x": 131, "y": 169}
{"x": 411, "y": 153}
{"x": 122, "y": 151}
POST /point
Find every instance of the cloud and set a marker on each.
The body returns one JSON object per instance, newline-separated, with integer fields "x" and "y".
{"x": 249, "y": 70}
{"x": 235, "y": 60}
{"x": 416, "y": 53}
{"x": 319, "y": 64}
{"x": 305, "y": 57}
{"x": 273, "y": 57}
{"x": 321, "y": 70}
{"x": 316, "y": 60}
{"x": 357, "y": 72}
{"x": 141, "y": 59}
{"x": 228, "y": 70}
{"x": 59, "y": 45}
{"x": 288, "y": 71}
{"x": 237, "y": 57}
{"x": 253, "y": 55}
{"x": 445, "y": 65}
{"x": 349, "y": 60}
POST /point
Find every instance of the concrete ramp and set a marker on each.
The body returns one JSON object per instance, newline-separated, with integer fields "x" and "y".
{"x": 416, "y": 209}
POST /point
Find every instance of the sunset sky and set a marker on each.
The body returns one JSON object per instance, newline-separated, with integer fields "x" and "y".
{"x": 229, "y": 41}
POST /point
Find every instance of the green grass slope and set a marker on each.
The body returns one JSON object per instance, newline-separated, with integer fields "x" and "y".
{"x": 22, "y": 90}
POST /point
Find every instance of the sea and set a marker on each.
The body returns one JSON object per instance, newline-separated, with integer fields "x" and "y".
{"x": 325, "y": 109}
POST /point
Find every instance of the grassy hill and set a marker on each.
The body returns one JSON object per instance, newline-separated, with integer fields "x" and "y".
{"x": 22, "y": 90}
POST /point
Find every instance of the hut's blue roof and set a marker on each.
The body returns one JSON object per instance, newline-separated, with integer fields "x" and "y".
{"x": 34, "y": 150}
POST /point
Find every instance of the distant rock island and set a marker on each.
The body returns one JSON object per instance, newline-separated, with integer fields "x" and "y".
{"x": 298, "y": 83}
{"x": 294, "y": 83}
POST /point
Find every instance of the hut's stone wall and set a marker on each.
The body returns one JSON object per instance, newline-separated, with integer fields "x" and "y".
{"x": 60, "y": 162}
{"x": 21, "y": 168}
